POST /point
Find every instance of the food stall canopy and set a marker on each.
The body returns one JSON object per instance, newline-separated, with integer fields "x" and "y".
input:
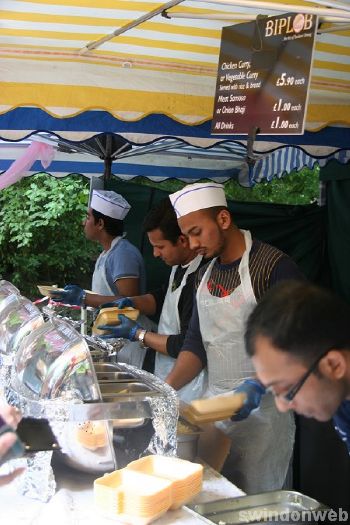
{"x": 166, "y": 64}
{"x": 147, "y": 71}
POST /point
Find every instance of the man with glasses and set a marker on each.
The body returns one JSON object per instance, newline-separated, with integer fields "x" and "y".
{"x": 299, "y": 339}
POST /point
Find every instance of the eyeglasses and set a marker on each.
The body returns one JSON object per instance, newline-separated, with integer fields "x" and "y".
{"x": 292, "y": 392}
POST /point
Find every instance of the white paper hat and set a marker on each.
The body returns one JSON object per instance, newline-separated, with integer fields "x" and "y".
{"x": 110, "y": 203}
{"x": 199, "y": 196}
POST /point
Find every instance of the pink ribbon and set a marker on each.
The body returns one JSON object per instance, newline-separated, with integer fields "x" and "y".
{"x": 36, "y": 151}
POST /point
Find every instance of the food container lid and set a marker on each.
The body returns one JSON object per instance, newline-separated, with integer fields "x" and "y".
{"x": 55, "y": 361}
{"x": 18, "y": 317}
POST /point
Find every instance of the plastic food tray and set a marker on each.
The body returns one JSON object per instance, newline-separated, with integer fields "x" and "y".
{"x": 212, "y": 409}
{"x": 185, "y": 477}
{"x": 147, "y": 488}
{"x": 109, "y": 316}
{"x": 47, "y": 289}
{"x": 132, "y": 497}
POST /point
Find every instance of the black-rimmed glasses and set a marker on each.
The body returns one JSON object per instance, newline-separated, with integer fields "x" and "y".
{"x": 292, "y": 392}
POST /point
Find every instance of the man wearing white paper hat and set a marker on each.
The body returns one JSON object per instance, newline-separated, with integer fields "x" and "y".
{"x": 173, "y": 301}
{"x": 119, "y": 270}
{"x": 110, "y": 203}
{"x": 227, "y": 289}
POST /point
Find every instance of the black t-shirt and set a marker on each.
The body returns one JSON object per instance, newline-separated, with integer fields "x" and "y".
{"x": 267, "y": 266}
{"x": 185, "y": 305}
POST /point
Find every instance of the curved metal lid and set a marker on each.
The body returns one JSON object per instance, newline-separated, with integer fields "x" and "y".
{"x": 18, "y": 317}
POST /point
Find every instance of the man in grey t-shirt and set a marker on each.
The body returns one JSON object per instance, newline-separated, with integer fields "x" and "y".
{"x": 119, "y": 270}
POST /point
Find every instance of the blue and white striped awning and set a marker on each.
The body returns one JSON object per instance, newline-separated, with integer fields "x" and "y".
{"x": 174, "y": 158}
{"x": 286, "y": 159}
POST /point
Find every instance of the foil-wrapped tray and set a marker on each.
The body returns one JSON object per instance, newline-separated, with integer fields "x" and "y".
{"x": 277, "y": 507}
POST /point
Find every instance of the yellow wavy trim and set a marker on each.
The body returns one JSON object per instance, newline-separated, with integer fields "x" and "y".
{"x": 335, "y": 115}
{"x": 114, "y": 114}
{"x": 330, "y": 123}
{"x": 106, "y": 99}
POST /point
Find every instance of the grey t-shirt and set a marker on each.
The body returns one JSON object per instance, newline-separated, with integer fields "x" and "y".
{"x": 125, "y": 260}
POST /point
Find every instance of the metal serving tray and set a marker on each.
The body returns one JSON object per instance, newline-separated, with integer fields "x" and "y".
{"x": 271, "y": 507}
{"x": 107, "y": 377}
{"x": 123, "y": 388}
{"x": 106, "y": 367}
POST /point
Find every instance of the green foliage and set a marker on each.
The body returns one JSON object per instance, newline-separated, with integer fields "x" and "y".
{"x": 296, "y": 188}
{"x": 41, "y": 233}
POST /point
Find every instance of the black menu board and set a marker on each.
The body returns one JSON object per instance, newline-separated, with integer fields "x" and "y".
{"x": 264, "y": 75}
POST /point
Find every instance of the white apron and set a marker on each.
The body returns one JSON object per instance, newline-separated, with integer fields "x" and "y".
{"x": 131, "y": 353}
{"x": 169, "y": 324}
{"x": 262, "y": 444}
{"x": 99, "y": 278}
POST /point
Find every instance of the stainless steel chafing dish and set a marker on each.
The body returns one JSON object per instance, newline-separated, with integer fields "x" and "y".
{"x": 53, "y": 363}
{"x": 7, "y": 288}
{"x": 18, "y": 317}
{"x": 103, "y": 414}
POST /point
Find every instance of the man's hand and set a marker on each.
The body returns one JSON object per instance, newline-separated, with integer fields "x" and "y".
{"x": 11, "y": 416}
{"x": 71, "y": 294}
{"x": 126, "y": 329}
{"x": 186, "y": 367}
{"x": 119, "y": 303}
{"x": 254, "y": 392}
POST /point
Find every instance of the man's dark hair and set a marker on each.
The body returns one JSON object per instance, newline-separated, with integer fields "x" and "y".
{"x": 215, "y": 210}
{"x": 301, "y": 319}
{"x": 113, "y": 227}
{"x": 163, "y": 217}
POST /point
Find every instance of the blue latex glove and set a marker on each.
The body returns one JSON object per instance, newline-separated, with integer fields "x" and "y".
{"x": 118, "y": 303}
{"x": 254, "y": 392}
{"x": 71, "y": 294}
{"x": 126, "y": 329}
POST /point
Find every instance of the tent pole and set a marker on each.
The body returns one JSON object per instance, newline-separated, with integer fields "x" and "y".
{"x": 108, "y": 158}
{"x": 107, "y": 174}
{"x": 130, "y": 25}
